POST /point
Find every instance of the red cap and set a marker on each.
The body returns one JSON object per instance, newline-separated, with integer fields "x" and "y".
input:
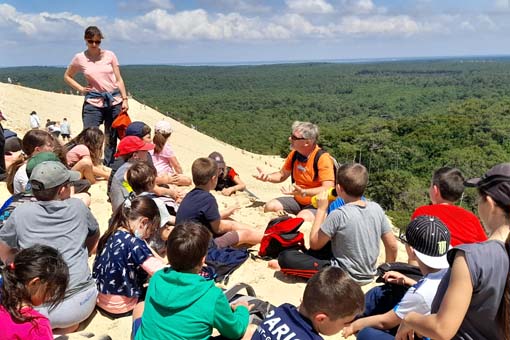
{"x": 130, "y": 144}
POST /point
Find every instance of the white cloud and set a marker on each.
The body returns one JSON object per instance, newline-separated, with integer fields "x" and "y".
{"x": 145, "y": 5}
{"x": 241, "y": 6}
{"x": 359, "y": 7}
{"x": 309, "y": 6}
{"x": 42, "y": 26}
{"x": 394, "y": 25}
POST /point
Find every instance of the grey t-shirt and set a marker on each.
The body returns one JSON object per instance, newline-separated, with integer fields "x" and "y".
{"x": 64, "y": 225}
{"x": 118, "y": 193}
{"x": 488, "y": 266}
{"x": 355, "y": 234}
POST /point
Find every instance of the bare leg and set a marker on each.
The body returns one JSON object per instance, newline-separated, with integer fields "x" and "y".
{"x": 84, "y": 166}
{"x": 273, "y": 206}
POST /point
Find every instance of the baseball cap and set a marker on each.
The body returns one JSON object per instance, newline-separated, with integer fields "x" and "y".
{"x": 430, "y": 240}
{"x": 216, "y": 156}
{"x": 50, "y": 174}
{"x": 132, "y": 144}
{"x": 38, "y": 159}
{"x": 163, "y": 127}
{"x": 135, "y": 129}
{"x": 495, "y": 183}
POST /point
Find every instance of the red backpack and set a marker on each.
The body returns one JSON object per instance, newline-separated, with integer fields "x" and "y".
{"x": 282, "y": 233}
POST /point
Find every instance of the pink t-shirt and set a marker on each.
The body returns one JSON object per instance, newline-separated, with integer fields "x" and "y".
{"x": 162, "y": 160}
{"x": 99, "y": 74}
{"x": 38, "y": 329}
{"x": 76, "y": 153}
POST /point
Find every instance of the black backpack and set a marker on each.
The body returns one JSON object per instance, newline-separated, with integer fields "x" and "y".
{"x": 224, "y": 261}
{"x": 315, "y": 164}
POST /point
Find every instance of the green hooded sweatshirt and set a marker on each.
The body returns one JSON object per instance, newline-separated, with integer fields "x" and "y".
{"x": 186, "y": 306}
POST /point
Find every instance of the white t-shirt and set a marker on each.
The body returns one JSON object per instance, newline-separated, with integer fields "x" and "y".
{"x": 419, "y": 297}
{"x": 20, "y": 179}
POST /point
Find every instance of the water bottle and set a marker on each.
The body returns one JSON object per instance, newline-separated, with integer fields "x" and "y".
{"x": 332, "y": 195}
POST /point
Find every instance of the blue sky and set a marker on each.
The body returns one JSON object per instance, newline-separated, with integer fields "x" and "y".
{"x": 235, "y": 31}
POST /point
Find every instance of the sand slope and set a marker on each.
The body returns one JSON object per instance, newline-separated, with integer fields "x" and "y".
{"x": 17, "y": 102}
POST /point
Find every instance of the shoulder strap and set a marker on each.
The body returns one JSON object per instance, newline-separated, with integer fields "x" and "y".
{"x": 293, "y": 160}
{"x": 318, "y": 155}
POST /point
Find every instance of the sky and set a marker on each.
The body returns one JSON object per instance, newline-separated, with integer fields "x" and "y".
{"x": 49, "y": 33}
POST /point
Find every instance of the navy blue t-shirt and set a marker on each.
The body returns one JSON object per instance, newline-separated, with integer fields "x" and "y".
{"x": 285, "y": 322}
{"x": 198, "y": 206}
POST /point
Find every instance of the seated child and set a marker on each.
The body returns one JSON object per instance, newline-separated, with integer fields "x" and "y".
{"x": 141, "y": 177}
{"x": 130, "y": 150}
{"x": 201, "y": 207}
{"x": 140, "y": 130}
{"x": 64, "y": 223}
{"x": 164, "y": 158}
{"x": 124, "y": 261}
{"x": 36, "y": 275}
{"x": 180, "y": 304}
{"x": 446, "y": 188}
{"x": 355, "y": 231}
{"x": 427, "y": 241}
{"x": 84, "y": 154}
{"x": 228, "y": 180}
{"x": 331, "y": 300}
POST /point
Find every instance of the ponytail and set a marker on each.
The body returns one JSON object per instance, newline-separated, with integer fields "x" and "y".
{"x": 503, "y": 317}
{"x": 159, "y": 141}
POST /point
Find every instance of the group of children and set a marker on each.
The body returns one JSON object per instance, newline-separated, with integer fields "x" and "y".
{"x": 148, "y": 261}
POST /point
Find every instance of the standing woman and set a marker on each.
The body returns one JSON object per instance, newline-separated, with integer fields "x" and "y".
{"x": 473, "y": 298}
{"x": 105, "y": 93}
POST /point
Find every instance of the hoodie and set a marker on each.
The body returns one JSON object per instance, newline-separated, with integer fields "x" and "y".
{"x": 187, "y": 306}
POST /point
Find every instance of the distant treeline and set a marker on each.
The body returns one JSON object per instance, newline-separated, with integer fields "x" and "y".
{"x": 401, "y": 120}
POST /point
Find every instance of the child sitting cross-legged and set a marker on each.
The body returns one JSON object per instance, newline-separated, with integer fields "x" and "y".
{"x": 124, "y": 261}
{"x": 201, "y": 207}
{"x": 37, "y": 275}
{"x": 180, "y": 304}
{"x": 427, "y": 241}
{"x": 331, "y": 300}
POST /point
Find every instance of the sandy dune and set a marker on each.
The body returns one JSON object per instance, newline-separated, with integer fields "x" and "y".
{"x": 17, "y": 102}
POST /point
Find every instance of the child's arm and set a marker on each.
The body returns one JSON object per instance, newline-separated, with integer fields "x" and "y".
{"x": 238, "y": 187}
{"x": 153, "y": 264}
{"x": 174, "y": 163}
{"x": 91, "y": 242}
{"x": 390, "y": 246}
{"x": 231, "y": 322}
{"x": 226, "y": 213}
{"x": 387, "y": 320}
{"x": 318, "y": 238}
{"x": 451, "y": 313}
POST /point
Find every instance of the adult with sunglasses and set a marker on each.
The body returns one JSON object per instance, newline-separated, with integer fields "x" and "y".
{"x": 299, "y": 165}
{"x": 105, "y": 93}
{"x": 473, "y": 298}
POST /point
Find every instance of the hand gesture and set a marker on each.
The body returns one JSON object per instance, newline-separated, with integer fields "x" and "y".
{"x": 261, "y": 176}
{"x": 85, "y": 89}
{"x": 294, "y": 190}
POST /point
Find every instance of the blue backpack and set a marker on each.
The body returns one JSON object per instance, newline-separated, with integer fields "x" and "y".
{"x": 221, "y": 262}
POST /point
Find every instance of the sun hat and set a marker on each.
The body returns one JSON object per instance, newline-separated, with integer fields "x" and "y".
{"x": 50, "y": 174}
{"x": 135, "y": 129}
{"x": 163, "y": 127}
{"x": 495, "y": 183}
{"x": 430, "y": 240}
{"x": 216, "y": 156}
{"x": 38, "y": 159}
{"x": 132, "y": 144}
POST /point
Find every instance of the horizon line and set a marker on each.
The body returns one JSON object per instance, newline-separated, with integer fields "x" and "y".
{"x": 305, "y": 61}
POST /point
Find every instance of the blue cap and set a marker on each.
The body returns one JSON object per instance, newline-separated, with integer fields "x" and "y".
{"x": 135, "y": 129}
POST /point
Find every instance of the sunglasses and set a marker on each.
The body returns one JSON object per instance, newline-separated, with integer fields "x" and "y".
{"x": 92, "y": 42}
{"x": 296, "y": 138}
